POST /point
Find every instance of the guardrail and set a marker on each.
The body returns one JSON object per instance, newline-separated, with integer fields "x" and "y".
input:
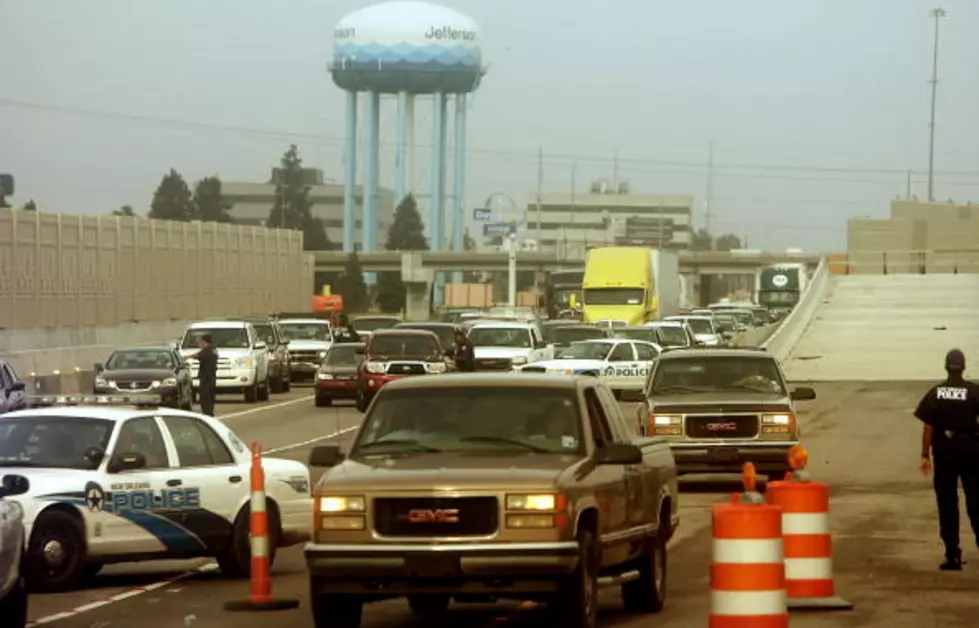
{"x": 897, "y": 262}
{"x": 785, "y": 337}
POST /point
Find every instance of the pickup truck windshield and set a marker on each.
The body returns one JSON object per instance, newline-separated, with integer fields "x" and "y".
{"x": 222, "y": 337}
{"x": 673, "y": 336}
{"x": 716, "y": 374}
{"x": 307, "y": 331}
{"x": 472, "y": 418}
{"x": 373, "y": 324}
{"x": 52, "y": 442}
{"x": 500, "y": 337}
{"x": 398, "y": 346}
{"x": 697, "y": 325}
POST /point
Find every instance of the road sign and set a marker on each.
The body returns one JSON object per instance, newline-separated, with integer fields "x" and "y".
{"x": 482, "y": 214}
{"x": 500, "y": 229}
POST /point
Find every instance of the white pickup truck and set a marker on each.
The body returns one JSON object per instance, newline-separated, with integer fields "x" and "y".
{"x": 502, "y": 346}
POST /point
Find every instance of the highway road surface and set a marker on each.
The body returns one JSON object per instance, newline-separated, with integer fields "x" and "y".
{"x": 862, "y": 440}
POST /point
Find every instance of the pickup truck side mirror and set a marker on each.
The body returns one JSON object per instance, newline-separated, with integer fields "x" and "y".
{"x": 127, "y": 461}
{"x": 632, "y": 396}
{"x": 802, "y": 394}
{"x": 14, "y": 485}
{"x": 325, "y": 456}
{"x": 99, "y": 367}
{"x": 619, "y": 454}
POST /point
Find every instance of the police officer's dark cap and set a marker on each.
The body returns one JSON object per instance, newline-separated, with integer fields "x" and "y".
{"x": 955, "y": 360}
{"x": 206, "y": 338}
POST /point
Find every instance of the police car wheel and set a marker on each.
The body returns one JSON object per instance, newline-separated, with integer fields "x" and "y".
{"x": 56, "y": 553}
{"x": 13, "y": 607}
{"x": 236, "y": 560}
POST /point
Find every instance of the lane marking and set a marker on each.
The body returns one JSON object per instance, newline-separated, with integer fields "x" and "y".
{"x": 263, "y": 408}
{"x": 119, "y": 597}
{"x": 304, "y": 443}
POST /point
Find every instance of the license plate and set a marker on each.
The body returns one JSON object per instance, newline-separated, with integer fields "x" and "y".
{"x": 437, "y": 566}
{"x": 345, "y": 377}
{"x": 489, "y": 362}
{"x": 723, "y": 455}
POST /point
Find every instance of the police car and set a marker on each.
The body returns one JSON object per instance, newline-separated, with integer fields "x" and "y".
{"x": 115, "y": 482}
{"x": 622, "y": 363}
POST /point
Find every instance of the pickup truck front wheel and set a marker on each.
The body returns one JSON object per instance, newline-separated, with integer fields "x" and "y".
{"x": 647, "y": 594}
{"x": 577, "y": 605}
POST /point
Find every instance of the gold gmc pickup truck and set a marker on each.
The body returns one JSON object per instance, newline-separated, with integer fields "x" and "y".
{"x": 475, "y": 487}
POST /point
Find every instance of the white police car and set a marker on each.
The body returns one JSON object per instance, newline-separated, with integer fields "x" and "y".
{"x": 13, "y": 591}
{"x": 622, "y": 363}
{"x": 115, "y": 482}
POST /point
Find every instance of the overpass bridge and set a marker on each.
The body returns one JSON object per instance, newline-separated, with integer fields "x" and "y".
{"x": 691, "y": 262}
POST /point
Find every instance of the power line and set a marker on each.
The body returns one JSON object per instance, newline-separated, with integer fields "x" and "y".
{"x": 530, "y": 156}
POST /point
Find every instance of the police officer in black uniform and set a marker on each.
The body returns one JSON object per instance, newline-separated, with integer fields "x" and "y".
{"x": 207, "y": 374}
{"x": 465, "y": 353}
{"x": 345, "y": 331}
{"x": 950, "y": 442}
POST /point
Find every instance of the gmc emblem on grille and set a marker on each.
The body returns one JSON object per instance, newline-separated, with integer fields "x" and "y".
{"x": 725, "y": 426}
{"x": 433, "y": 516}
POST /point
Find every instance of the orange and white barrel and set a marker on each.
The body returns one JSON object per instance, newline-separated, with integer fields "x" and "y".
{"x": 747, "y": 575}
{"x": 808, "y": 543}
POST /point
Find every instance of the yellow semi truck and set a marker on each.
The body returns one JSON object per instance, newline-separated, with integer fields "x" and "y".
{"x": 630, "y": 285}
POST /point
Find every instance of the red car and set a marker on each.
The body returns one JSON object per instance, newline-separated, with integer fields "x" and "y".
{"x": 337, "y": 376}
{"x": 391, "y": 354}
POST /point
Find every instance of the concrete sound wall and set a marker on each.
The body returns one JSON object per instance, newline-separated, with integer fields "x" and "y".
{"x": 788, "y": 333}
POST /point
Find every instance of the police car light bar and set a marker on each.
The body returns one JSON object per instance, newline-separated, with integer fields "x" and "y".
{"x": 136, "y": 399}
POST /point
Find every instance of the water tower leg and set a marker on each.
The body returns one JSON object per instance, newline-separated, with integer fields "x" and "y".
{"x": 350, "y": 176}
{"x": 437, "y": 214}
{"x": 372, "y": 123}
{"x": 401, "y": 170}
{"x": 459, "y": 170}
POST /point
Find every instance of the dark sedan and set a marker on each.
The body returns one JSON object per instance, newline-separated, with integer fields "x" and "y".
{"x": 157, "y": 370}
{"x": 337, "y": 376}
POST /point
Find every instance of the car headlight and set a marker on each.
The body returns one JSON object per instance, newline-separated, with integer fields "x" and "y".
{"x": 536, "y": 511}
{"x": 342, "y": 503}
{"x": 533, "y": 502}
{"x": 339, "y": 513}
{"x": 170, "y": 381}
{"x": 375, "y": 367}
{"x": 101, "y": 383}
{"x": 243, "y": 363}
{"x": 324, "y": 376}
{"x": 518, "y": 360}
{"x": 666, "y": 424}
{"x": 776, "y": 419}
{"x": 321, "y": 354}
{"x": 437, "y": 367}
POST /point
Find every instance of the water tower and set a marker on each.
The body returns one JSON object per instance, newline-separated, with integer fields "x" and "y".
{"x": 407, "y": 49}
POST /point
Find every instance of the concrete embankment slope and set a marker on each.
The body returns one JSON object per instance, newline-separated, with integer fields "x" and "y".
{"x": 888, "y": 328}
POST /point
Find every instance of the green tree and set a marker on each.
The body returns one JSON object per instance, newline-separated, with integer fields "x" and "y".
{"x": 407, "y": 233}
{"x": 125, "y": 210}
{"x": 351, "y": 286}
{"x": 292, "y": 208}
{"x": 29, "y": 206}
{"x": 701, "y": 241}
{"x": 727, "y": 242}
{"x": 209, "y": 202}
{"x": 172, "y": 199}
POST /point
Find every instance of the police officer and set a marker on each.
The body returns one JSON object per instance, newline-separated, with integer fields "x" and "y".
{"x": 950, "y": 442}
{"x": 465, "y": 353}
{"x": 207, "y": 373}
{"x": 345, "y": 331}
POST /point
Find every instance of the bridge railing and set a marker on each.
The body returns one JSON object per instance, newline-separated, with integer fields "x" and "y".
{"x": 788, "y": 333}
{"x": 896, "y": 262}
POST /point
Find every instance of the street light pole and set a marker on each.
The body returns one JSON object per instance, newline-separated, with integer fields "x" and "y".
{"x": 512, "y": 271}
{"x": 937, "y": 14}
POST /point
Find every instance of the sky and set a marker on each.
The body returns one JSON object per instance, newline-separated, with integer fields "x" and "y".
{"x": 816, "y": 109}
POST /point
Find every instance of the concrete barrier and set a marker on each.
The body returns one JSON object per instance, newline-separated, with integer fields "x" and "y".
{"x": 784, "y": 339}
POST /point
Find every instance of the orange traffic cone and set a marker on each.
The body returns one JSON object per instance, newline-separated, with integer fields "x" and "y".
{"x": 260, "y": 597}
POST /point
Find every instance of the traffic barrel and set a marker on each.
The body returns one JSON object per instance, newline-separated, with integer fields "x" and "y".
{"x": 807, "y": 540}
{"x": 260, "y": 596}
{"x": 747, "y": 577}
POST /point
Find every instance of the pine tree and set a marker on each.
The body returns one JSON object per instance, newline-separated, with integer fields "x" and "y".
{"x": 125, "y": 210}
{"x": 29, "y": 206}
{"x": 210, "y": 203}
{"x": 172, "y": 199}
{"x": 407, "y": 233}
{"x": 292, "y": 208}
{"x": 351, "y": 286}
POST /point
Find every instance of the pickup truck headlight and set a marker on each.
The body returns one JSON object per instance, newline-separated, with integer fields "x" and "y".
{"x": 517, "y": 361}
{"x": 778, "y": 424}
{"x": 243, "y": 363}
{"x": 321, "y": 354}
{"x": 437, "y": 367}
{"x": 101, "y": 383}
{"x": 169, "y": 382}
{"x": 536, "y": 511}
{"x": 375, "y": 367}
{"x": 666, "y": 424}
{"x": 342, "y": 512}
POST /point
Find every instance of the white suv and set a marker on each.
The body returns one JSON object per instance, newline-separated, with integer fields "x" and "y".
{"x": 243, "y": 357}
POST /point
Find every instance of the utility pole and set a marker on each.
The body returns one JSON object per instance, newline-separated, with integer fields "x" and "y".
{"x": 540, "y": 185}
{"x": 937, "y": 14}
{"x": 907, "y": 191}
{"x": 615, "y": 171}
{"x": 709, "y": 196}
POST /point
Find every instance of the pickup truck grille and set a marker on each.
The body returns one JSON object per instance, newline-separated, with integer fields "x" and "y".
{"x": 305, "y": 356}
{"x": 722, "y": 426}
{"x": 493, "y": 364}
{"x": 405, "y": 368}
{"x": 436, "y": 516}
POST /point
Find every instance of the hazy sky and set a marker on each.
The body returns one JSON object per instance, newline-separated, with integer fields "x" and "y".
{"x": 816, "y": 108}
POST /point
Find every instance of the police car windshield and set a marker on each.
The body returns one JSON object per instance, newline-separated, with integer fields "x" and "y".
{"x": 638, "y": 333}
{"x": 150, "y": 359}
{"x": 343, "y": 355}
{"x": 222, "y": 337}
{"x": 53, "y": 442}
{"x": 472, "y": 418}
{"x": 587, "y": 351}
{"x": 500, "y": 337}
{"x": 387, "y": 346}
{"x": 715, "y": 374}
{"x": 307, "y": 331}
{"x": 568, "y": 335}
